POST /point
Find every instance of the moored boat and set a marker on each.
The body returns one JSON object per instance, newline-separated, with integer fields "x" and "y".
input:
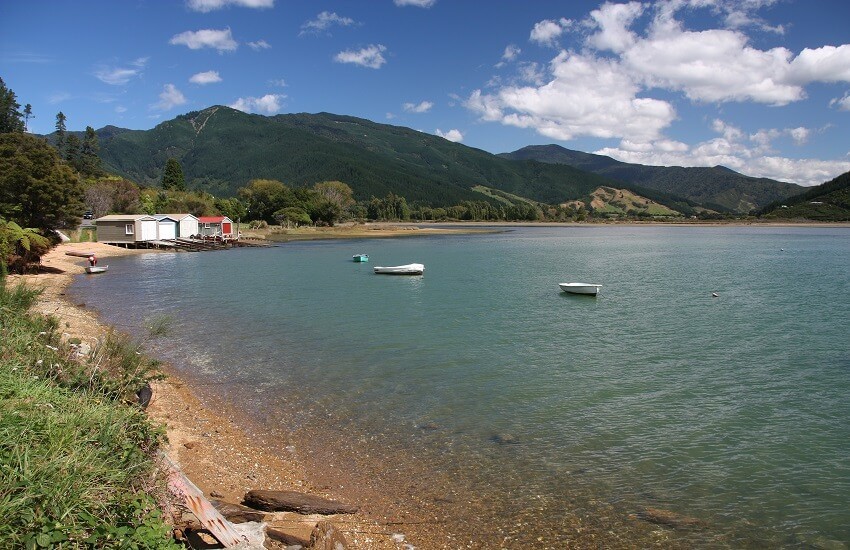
{"x": 96, "y": 269}
{"x": 409, "y": 269}
{"x": 590, "y": 289}
{"x": 361, "y": 257}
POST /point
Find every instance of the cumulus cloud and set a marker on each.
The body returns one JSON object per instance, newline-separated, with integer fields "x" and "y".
{"x": 324, "y": 21}
{"x": 417, "y": 3}
{"x": 208, "y": 77}
{"x": 588, "y": 96}
{"x": 370, "y": 56}
{"x": 269, "y": 104}
{"x": 423, "y": 107}
{"x": 206, "y": 6}
{"x": 169, "y": 98}
{"x": 221, "y": 40}
{"x": 613, "y": 22}
{"x": 547, "y": 32}
{"x": 452, "y": 135}
{"x": 259, "y": 45}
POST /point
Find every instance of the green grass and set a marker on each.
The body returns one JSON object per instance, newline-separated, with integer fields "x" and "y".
{"x": 76, "y": 466}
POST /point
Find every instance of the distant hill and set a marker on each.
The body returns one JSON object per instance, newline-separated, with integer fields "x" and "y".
{"x": 618, "y": 202}
{"x": 828, "y": 201}
{"x": 221, "y": 149}
{"x": 718, "y": 188}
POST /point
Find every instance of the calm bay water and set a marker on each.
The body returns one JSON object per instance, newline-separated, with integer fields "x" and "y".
{"x": 550, "y": 410}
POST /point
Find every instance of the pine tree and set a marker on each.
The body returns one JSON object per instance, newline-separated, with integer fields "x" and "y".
{"x": 90, "y": 163}
{"x": 27, "y": 116}
{"x": 72, "y": 151}
{"x": 60, "y": 132}
{"x": 172, "y": 176}
{"x": 10, "y": 117}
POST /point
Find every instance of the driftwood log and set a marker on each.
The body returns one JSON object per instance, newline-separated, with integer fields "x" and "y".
{"x": 293, "y": 501}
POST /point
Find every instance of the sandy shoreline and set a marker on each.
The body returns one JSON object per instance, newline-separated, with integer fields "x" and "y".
{"x": 211, "y": 449}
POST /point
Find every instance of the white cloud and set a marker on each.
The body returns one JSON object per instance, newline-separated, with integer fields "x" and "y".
{"x": 324, "y": 21}
{"x": 278, "y": 82}
{"x": 221, "y": 40}
{"x": 120, "y": 109}
{"x": 269, "y": 104}
{"x": 423, "y": 107}
{"x": 169, "y": 98}
{"x": 58, "y": 97}
{"x": 206, "y": 6}
{"x": 115, "y": 76}
{"x": 843, "y": 103}
{"x": 208, "y": 77}
{"x": 733, "y": 150}
{"x": 370, "y": 56}
{"x": 613, "y": 21}
{"x": 588, "y": 96}
{"x": 547, "y": 32}
{"x": 452, "y": 135}
{"x": 512, "y": 51}
{"x": 417, "y": 3}
{"x": 259, "y": 45}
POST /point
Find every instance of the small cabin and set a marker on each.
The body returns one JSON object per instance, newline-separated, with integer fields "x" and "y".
{"x": 216, "y": 227}
{"x": 126, "y": 229}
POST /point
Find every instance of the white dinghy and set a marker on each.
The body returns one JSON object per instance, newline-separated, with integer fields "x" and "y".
{"x": 409, "y": 269}
{"x": 589, "y": 289}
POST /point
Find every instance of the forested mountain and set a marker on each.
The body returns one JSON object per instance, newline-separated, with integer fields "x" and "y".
{"x": 828, "y": 201}
{"x": 718, "y": 188}
{"x": 221, "y": 149}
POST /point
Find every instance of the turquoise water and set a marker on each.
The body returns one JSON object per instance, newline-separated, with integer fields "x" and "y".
{"x": 484, "y": 379}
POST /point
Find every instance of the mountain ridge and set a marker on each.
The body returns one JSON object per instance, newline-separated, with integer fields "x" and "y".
{"x": 221, "y": 149}
{"x": 716, "y": 187}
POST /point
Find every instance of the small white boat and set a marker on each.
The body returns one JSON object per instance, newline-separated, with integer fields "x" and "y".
{"x": 409, "y": 269}
{"x": 361, "y": 257}
{"x": 589, "y": 289}
{"x": 96, "y": 269}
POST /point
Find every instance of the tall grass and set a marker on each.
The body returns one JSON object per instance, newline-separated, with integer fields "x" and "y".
{"x": 76, "y": 467}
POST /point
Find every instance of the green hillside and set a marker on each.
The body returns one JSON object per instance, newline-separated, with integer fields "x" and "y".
{"x": 829, "y": 201}
{"x": 221, "y": 149}
{"x": 717, "y": 188}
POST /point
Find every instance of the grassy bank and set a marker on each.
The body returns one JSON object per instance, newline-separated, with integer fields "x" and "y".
{"x": 76, "y": 451}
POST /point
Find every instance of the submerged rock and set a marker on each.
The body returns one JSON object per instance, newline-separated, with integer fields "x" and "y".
{"x": 671, "y": 519}
{"x": 505, "y": 439}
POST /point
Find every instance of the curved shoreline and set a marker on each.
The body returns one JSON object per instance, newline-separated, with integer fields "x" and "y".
{"x": 207, "y": 444}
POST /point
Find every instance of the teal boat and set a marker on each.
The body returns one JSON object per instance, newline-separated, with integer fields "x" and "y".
{"x": 361, "y": 257}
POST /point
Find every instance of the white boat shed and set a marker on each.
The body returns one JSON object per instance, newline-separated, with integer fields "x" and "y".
{"x": 166, "y": 227}
{"x": 187, "y": 225}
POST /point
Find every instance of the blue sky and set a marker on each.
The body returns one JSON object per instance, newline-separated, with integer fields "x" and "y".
{"x": 760, "y": 86}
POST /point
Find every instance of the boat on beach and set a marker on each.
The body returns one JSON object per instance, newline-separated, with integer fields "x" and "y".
{"x": 588, "y": 289}
{"x": 409, "y": 269}
{"x": 361, "y": 257}
{"x": 96, "y": 269}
